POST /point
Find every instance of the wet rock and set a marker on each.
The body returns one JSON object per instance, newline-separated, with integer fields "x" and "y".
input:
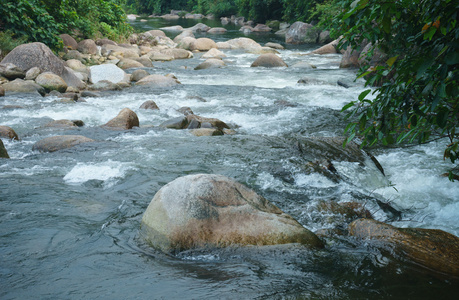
{"x": 274, "y": 46}
{"x": 23, "y": 86}
{"x": 3, "y": 152}
{"x": 211, "y": 63}
{"x": 206, "y": 132}
{"x": 207, "y": 122}
{"x": 343, "y": 84}
{"x": 242, "y": 43}
{"x": 301, "y": 33}
{"x": 175, "y": 123}
{"x": 350, "y": 58}
{"x": 184, "y": 34}
{"x": 64, "y": 124}
{"x": 185, "y": 110}
{"x": 31, "y": 55}
{"x": 434, "y": 249}
{"x": 105, "y": 85}
{"x": 269, "y": 61}
{"x": 198, "y": 211}
{"x": 274, "y": 24}
{"x": 261, "y": 28}
{"x": 69, "y": 41}
{"x": 304, "y": 65}
{"x": 51, "y": 82}
{"x": 311, "y": 81}
{"x": 158, "y": 81}
{"x": 214, "y": 53}
{"x": 202, "y": 44}
{"x": 330, "y": 48}
{"x": 87, "y": 46}
{"x": 127, "y": 63}
{"x": 105, "y": 41}
{"x": 199, "y": 28}
{"x": 126, "y": 119}
{"x": 177, "y": 53}
{"x": 150, "y": 104}
{"x": 60, "y": 142}
{"x": 217, "y": 30}
{"x": 8, "y": 133}
{"x": 139, "y": 74}
{"x": 11, "y": 71}
{"x": 262, "y": 50}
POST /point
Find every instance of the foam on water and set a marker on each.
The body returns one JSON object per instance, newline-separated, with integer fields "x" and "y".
{"x": 109, "y": 172}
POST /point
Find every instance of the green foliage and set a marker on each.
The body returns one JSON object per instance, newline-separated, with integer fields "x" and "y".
{"x": 8, "y": 41}
{"x": 418, "y": 98}
{"x": 44, "y": 20}
{"x": 32, "y": 21}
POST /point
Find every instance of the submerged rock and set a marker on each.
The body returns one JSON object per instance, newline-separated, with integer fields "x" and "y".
{"x": 126, "y": 119}
{"x": 434, "y": 249}
{"x": 60, "y": 142}
{"x": 203, "y": 210}
{"x": 150, "y": 104}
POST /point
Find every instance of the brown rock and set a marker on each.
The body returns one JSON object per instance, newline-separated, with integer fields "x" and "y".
{"x": 269, "y": 60}
{"x": 434, "y": 249}
{"x": 202, "y": 44}
{"x": 60, "y": 142}
{"x": 206, "y": 210}
{"x": 150, "y": 104}
{"x": 2, "y": 91}
{"x": 11, "y": 71}
{"x": 51, "y": 82}
{"x": 217, "y": 30}
{"x": 105, "y": 41}
{"x": 63, "y": 124}
{"x": 69, "y": 42}
{"x": 206, "y": 132}
{"x": 127, "y": 63}
{"x": 23, "y": 86}
{"x": 8, "y": 133}
{"x": 210, "y": 63}
{"x": 158, "y": 81}
{"x": 87, "y": 46}
{"x": 330, "y": 48}
{"x": 126, "y": 119}
{"x": 139, "y": 74}
{"x": 261, "y": 28}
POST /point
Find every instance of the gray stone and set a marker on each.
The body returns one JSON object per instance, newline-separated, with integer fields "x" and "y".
{"x": 150, "y": 104}
{"x": 11, "y": 71}
{"x": 139, "y": 74}
{"x": 23, "y": 86}
{"x": 127, "y": 63}
{"x": 105, "y": 85}
{"x": 206, "y": 132}
{"x": 202, "y": 44}
{"x": 175, "y": 123}
{"x": 31, "y": 55}
{"x": 200, "y": 27}
{"x": 203, "y": 210}
{"x": 50, "y": 82}
{"x": 107, "y": 72}
{"x": 32, "y": 73}
{"x": 60, "y": 142}
{"x": 8, "y": 133}
{"x": 217, "y": 30}
{"x": 211, "y": 63}
{"x": 158, "y": 81}
{"x": 301, "y": 33}
{"x": 69, "y": 41}
{"x": 87, "y": 46}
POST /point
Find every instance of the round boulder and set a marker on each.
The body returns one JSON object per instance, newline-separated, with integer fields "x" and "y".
{"x": 214, "y": 53}
{"x": 202, "y": 44}
{"x": 59, "y": 142}
{"x": 51, "y": 82}
{"x": 69, "y": 41}
{"x": 8, "y": 133}
{"x": 126, "y": 119}
{"x": 301, "y": 33}
{"x": 87, "y": 46}
{"x": 217, "y": 30}
{"x": 107, "y": 72}
{"x": 149, "y": 104}
{"x": 432, "y": 248}
{"x": 211, "y": 63}
{"x": 158, "y": 81}
{"x": 206, "y": 210}
{"x": 32, "y": 73}
{"x": 127, "y": 63}
{"x": 269, "y": 60}
{"x": 139, "y": 74}
{"x": 23, "y": 86}
{"x": 11, "y": 71}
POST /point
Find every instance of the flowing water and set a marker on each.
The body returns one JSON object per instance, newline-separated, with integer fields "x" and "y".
{"x": 70, "y": 219}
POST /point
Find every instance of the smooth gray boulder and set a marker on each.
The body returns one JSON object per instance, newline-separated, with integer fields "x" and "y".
{"x": 31, "y": 55}
{"x": 202, "y": 44}
{"x": 69, "y": 41}
{"x": 204, "y": 210}
{"x": 11, "y": 71}
{"x": 23, "y": 86}
{"x": 60, "y": 142}
{"x": 87, "y": 46}
{"x": 109, "y": 72}
{"x": 210, "y": 63}
{"x": 301, "y": 33}
{"x": 158, "y": 81}
{"x": 139, "y": 74}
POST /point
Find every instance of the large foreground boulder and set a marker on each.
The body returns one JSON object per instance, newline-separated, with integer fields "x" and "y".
{"x": 3, "y": 152}
{"x": 206, "y": 210}
{"x": 37, "y": 54}
{"x": 60, "y": 142}
{"x": 432, "y": 248}
{"x": 126, "y": 119}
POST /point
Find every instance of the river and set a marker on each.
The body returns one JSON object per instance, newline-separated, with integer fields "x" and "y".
{"x": 69, "y": 220}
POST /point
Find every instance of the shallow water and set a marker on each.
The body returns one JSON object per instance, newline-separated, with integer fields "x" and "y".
{"x": 70, "y": 219}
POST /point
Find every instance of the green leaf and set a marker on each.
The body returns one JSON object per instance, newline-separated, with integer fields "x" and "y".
{"x": 347, "y": 106}
{"x": 386, "y": 23}
{"x": 391, "y": 61}
{"x": 364, "y": 94}
{"x": 364, "y": 74}
{"x": 452, "y": 58}
{"x": 442, "y": 118}
{"x": 430, "y": 33}
{"x": 424, "y": 66}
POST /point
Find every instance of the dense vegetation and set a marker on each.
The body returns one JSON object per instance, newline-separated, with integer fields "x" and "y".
{"x": 43, "y": 20}
{"x": 417, "y": 98}
{"x": 257, "y": 10}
